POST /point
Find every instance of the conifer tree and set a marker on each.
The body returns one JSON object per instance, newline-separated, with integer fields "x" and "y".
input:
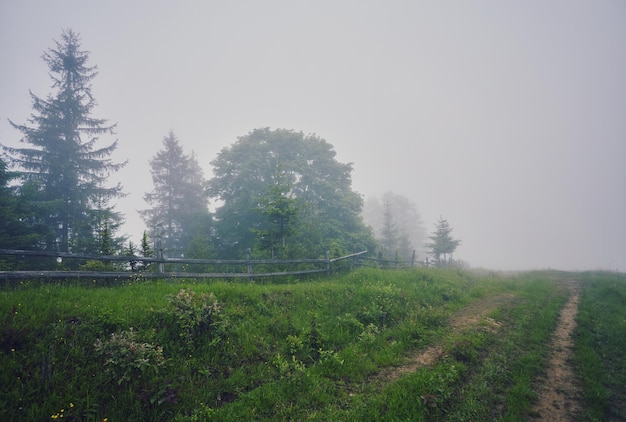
{"x": 177, "y": 199}
{"x": 61, "y": 163}
{"x": 16, "y": 226}
{"x": 389, "y": 230}
{"x": 146, "y": 251}
{"x": 442, "y": 245}
{"x": 397, "y": 225}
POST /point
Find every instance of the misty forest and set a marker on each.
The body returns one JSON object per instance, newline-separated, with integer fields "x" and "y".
{"x": 163, "y": 325}
{"x": 278, "y": 193}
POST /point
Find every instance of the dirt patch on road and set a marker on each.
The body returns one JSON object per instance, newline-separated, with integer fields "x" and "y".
{"x": 559, "y": 392}
{"x": 471, "y": 316}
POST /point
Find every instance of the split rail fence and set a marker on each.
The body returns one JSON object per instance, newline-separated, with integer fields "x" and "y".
{"x": 244, "y": 268}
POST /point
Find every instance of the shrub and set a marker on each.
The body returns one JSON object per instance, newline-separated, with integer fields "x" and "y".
{"x": 127, "y": 358}
{"x": 197, "y": 314}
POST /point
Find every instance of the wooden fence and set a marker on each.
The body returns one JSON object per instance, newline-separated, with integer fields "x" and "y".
{"x": 320, "y": 266}
{"x": 382, "y": 262}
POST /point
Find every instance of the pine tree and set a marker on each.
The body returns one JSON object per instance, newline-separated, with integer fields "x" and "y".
{"x": 397, "y": 224}
{"x": 66, "y": 171}
{"x": 178, "y": 197}
{"x": 131, "y": 250}
{"x": 16, "y": 229}
{"x": 389, "y": 231}
{"x": 146, "y": 251}
{"x": 442, "y": 243}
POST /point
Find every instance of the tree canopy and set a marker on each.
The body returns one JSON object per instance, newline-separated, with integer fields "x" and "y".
{"x": 279, "y": 192}
{"x": 299, "y": 176}
{"x": 62, "y": 167}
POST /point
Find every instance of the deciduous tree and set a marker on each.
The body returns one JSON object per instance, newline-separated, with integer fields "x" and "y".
{"x": 280, "y": 210}
{"x": 319, "y": 185}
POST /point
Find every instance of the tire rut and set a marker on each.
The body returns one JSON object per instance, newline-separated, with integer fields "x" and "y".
{"x": 468, "y": 317}
{"x": 558, "y": 390}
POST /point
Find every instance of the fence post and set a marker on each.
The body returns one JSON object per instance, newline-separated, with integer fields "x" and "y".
{"x": 328, "y": 263}
{"x": 413, "y": 259}
{"x": 159, "y": 251}
{"x": 249, "y": 265}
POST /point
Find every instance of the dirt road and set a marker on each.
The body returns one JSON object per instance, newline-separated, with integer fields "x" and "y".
{"x": 559, "y": 393}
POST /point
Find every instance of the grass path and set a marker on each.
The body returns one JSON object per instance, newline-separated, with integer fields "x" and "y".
{"x": 560, "y": 396}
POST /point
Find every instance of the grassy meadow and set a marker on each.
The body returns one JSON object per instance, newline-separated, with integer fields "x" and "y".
{"x": 302, "y": 350}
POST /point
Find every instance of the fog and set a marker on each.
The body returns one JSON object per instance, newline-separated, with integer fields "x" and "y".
{"x": 506, "y": 118}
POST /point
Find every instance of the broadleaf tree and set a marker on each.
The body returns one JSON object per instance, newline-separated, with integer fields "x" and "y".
{"x": 442, "y": 244}
{"x": 178, "y": 197}
{"x": 281, "y": 212}
{"x": 64, "y": 168}
{"x": 304, "y": 170}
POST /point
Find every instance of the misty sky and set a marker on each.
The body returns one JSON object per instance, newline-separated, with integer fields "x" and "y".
{"x": 506, "y": 118}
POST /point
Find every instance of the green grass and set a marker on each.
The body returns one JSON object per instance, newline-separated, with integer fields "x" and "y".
{"x": 600, "y": 339}
{"x": 484, "y": 375}
{"x": 500, "y": 385}
{"x": 307, "y": 350}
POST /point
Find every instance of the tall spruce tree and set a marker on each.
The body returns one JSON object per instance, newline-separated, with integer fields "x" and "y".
{"x": 178, "y": 198}
{"x": 64, "y": 168}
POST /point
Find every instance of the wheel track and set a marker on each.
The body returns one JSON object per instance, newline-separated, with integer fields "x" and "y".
{"x": 468, "y": 317}
{"x": 559, "y": 391}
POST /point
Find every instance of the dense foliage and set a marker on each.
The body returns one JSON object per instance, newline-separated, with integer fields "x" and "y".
{"x": 62, "y": 170}
{"x": 16, "y": 229}
{"x": 290, "y": 188}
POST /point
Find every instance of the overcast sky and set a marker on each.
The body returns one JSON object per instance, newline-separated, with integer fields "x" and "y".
{"x": 506, "y": 118}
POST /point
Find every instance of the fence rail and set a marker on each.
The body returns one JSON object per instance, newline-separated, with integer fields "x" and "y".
{"x": 325, "y": 266}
